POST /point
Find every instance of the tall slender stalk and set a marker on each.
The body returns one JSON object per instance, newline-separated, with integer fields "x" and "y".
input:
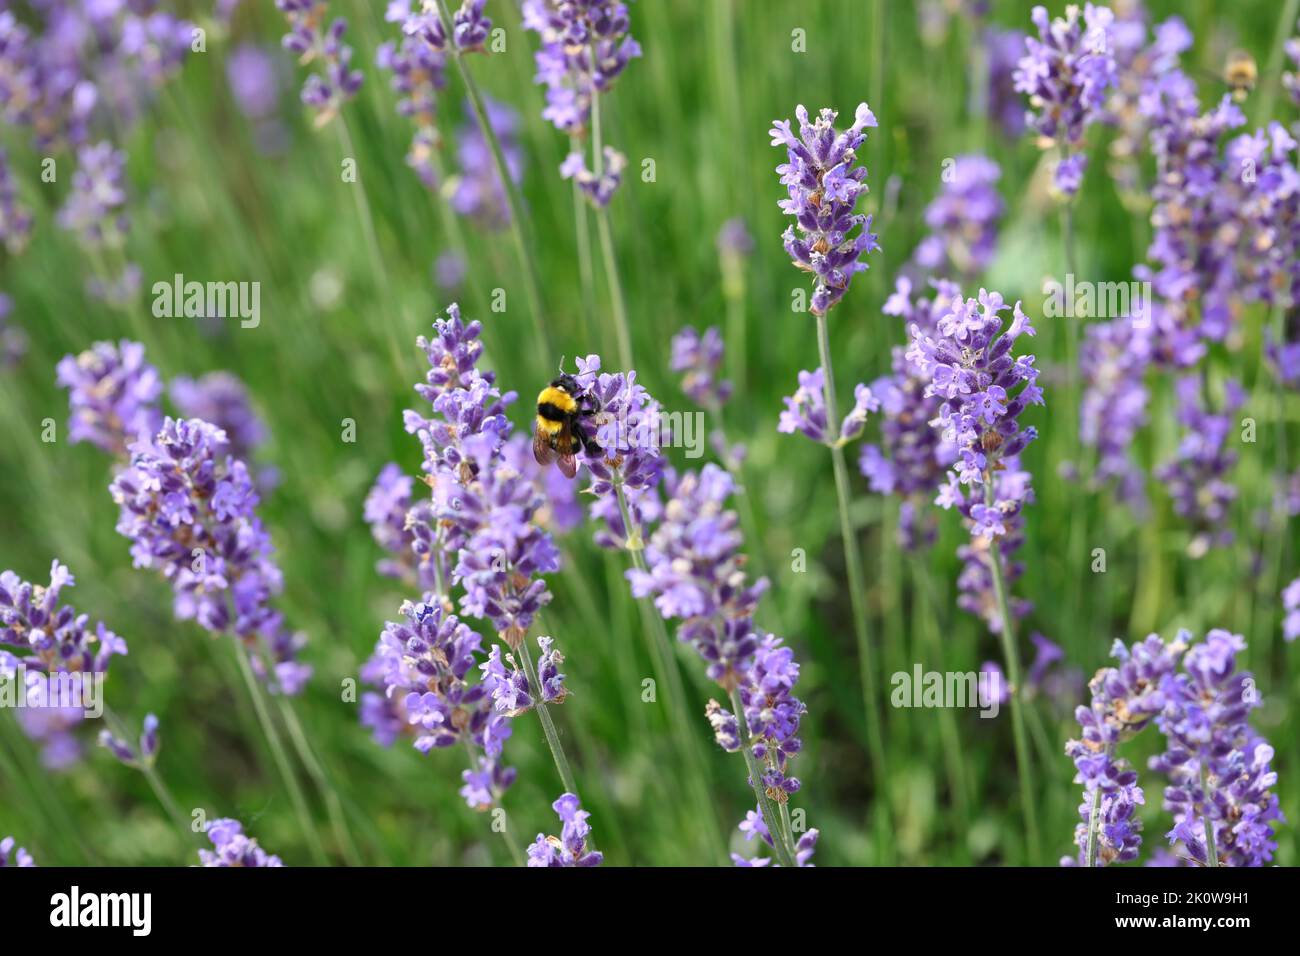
{"x": 617, "y": 301}
{"x": 857, "y": 583}
{"x": 1286, "y": 22}
{"x": 321, "y": 778}
{"x": 1012, "y": 660}
{"x": 582, "y": 232}
{"x": 771, "y": 818}
{"x": 1211, "y": 851}
{"x": 279, "y": 756}
{"x": 548, "y": 725}
{"x": 664, "y": 659}
{"x": 156, "y": 783}
{"x": 532, "y": 284}
{"x": 1094, "y": 819}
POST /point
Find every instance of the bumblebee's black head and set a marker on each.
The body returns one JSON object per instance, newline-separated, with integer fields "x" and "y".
{"x": 568, "y": 383}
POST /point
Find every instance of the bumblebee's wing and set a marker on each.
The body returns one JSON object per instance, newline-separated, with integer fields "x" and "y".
{"x": 568, "y": 466}
{"x": 542, "y": 449}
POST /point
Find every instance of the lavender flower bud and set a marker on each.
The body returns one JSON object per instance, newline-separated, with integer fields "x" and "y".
{"x": 700, "y": 358}
{"x": 113, "y": 394}
{"x": 314, "y": 42}
{"x": 570, "y": 847}
{"x": 8, "y": 858}
{"x": 231, "y": 847}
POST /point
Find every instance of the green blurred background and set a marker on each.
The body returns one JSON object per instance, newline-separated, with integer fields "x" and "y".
{"x": 336, "y": 342}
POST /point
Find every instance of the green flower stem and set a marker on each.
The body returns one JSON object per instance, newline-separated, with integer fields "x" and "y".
{"x": 1094, "y": 819}
{"x": 1272, "y": 74}
{"x": 617, "y": 301}
{"x": 586, "y": 269}
{"x": 1012, "y": 660}
{"x": 1211, "y": 851}
{"x": 279, "y": 756}
{"x": 773, "y": 820}
{"x": 548, "y": 725}
{"x": 160, "y": 789}
{"x": 664, "y": 660}
{"x": 321, "y": 779}
{"x": 532, "y": 285}
{"x": 857, "y": 584}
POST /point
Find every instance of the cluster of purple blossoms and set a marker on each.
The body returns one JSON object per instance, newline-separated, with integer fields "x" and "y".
{"x": 94, "y": 211}
{"x": 470, "y": 28}
{"x": 386, "y": 508}
{"x": 313, "y": 41}
{"x": 912, "y": 456}
{"x": 1291, "y": 604}
{"x": 1139, "y": 65}
{"x": 1227, "y": 211}
{"x": 1196, "y": 477}
{"x": 598, "y": 187}
{"x": 232, "y": 847}
{"x": 824, "y": 184}
{"x": 1113, "y": 363}
{"x": 511, "y": 692}
{"x": 189, "y": 510}
{"x": 49, "y": 638}
{"x": 805, "y": 411}
{"x": 963, "y": 220}
{"x": 425, "y": 666}
{"x": 1004, "y": 49}
{"x": 15, "y": 218}
{"x": 142, "y": 756}
{"x": 1218, "y": 766}
{"x": 975, "y": 585}
{"x": 221, "y": 399}
{"x": 968, "y": 363}
{"x": 113, "y": 395}
{"x": 699, "y": 358}
{"x": 54, "y": 74}
{"x": 584, "y": 48}
{"x": 9, "y": 858}
{"x": 1066, "y": 73}
{"x": 476, "y": 190}
{"x": 419, "y": 73}
{"x": 570, "y": 847}
{"x": 753, "y": 826}
{"x": 1125, "y": 700}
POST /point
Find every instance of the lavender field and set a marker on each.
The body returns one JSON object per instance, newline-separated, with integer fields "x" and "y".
{"x": 663, "y": 433}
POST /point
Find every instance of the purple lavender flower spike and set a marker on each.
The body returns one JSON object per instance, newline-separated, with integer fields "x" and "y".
{"x": 805, "y": 411}
{"x": 1005, "y": 105}
{"x": 15, "y": 219}
{"x": 699, "y": 357}
{"x": 419, "y": 73}
{"x": 147, "y": 751}
{"x": 753, "y": 826}
{"x": 95, "y": 212}
{"x": 824, "y": 184}
{"x": 1066, "y": 74}
{"x": 570, "y": 847}
{"x": 9, "y": 858}
{"x": 48, "y": 637}
{"x": 968, "y": 363}
{"x": 963, "y": 220}
{"x": 1125, "y": 699}
{"x": 584, "y": 49}
{"x": 221, "y": 399}
{"x": 113, "y": 395}
{"x": 190, "y": 512}
{"x": 1196, "y": 477}
{"x": 1291, "y": 604}
{"x": 315, "y": 42}
{"x": 599, "y": 189}
{"x": 477, "y": 191}
{"x": 511, "y": 692}
{"x": 1218, "y": 766}
{"x": 1113, "y": 363}
{"x": 232, "y": 847}
{"x": 1291, "y": 78}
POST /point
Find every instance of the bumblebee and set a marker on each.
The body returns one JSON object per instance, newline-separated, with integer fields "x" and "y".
{"x": 1240, "y": 74}
{"x": 561, "y": 427}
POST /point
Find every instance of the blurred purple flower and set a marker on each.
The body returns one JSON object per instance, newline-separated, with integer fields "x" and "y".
{"x": 570, "y": 847}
